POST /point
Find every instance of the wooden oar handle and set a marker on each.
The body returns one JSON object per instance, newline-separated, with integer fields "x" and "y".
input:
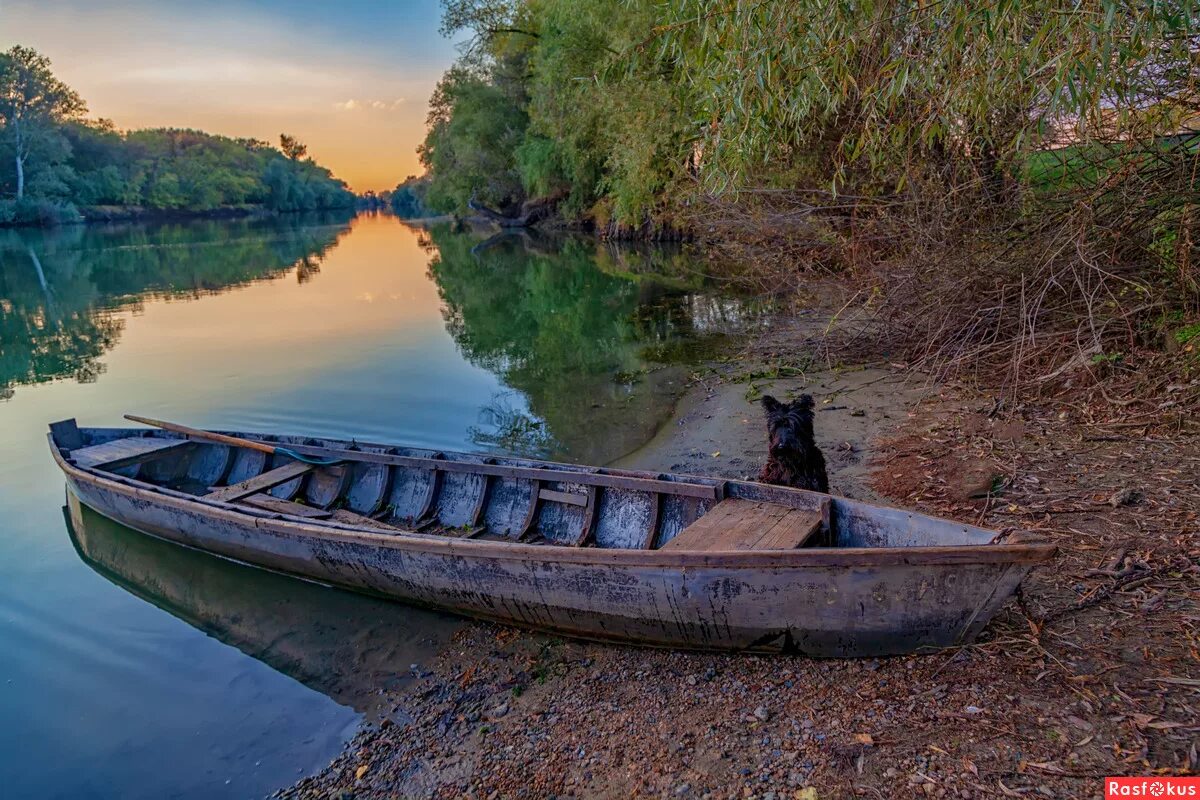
{"x": 249, "y": 444}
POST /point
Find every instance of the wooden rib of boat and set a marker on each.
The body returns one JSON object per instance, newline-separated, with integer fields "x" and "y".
{"x": 617, "y": 555}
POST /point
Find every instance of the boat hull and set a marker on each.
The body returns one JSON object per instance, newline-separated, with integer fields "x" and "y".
{"x": 827, "y": 602}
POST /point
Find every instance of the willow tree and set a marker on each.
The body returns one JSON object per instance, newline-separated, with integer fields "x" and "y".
{"x": 882, "y": 85}
{"x": 33, "y": 106}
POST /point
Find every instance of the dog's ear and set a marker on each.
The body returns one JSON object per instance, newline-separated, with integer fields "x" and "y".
{"x": 771, "y": 404}
{"x": 804, "y": 402}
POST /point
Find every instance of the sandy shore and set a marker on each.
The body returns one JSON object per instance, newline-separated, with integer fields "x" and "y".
{"x": 1094, "y": 676}
{"x": 717, "y": 429}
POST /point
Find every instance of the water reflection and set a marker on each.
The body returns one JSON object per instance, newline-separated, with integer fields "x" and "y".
{"x": 561, "y": 347}
{"x": 58, "y": 286}
{"x": 346, "y": 646}
{"x": 597, "y": 339}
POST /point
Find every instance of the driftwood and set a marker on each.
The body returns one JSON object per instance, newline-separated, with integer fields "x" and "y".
{"x": 532, "y": 211}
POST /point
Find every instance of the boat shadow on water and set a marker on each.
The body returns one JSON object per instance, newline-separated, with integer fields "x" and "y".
{"x": 349, "y": 647}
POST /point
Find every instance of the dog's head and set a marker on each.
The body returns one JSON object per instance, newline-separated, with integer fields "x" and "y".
{"x": 789, "y": 425}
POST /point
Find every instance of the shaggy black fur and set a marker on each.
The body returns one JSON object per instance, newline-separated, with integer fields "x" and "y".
{"x": 795, "y": 460}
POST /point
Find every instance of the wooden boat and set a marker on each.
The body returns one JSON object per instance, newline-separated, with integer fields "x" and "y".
{"x": 608, "y": 554}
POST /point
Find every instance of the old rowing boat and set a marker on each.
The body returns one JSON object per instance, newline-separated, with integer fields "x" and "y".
{"x": 648, "y": 558}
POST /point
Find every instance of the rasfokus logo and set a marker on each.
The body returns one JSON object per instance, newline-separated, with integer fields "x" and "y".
{"x": 1151, "y": 787}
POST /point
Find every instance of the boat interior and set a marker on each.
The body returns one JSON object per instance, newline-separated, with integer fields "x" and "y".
{"x": 399, "y": 490}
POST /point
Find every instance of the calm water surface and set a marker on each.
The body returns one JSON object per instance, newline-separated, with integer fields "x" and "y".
{"x": 133, "y": 668}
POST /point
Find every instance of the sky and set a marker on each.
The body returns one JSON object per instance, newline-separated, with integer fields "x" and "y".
{"x": 349, "y": 78}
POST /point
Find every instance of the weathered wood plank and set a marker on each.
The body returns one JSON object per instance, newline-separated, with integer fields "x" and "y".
{"x": 765, "y": 517}
{"x": 570, "y": 498}
{"x": 269, "y": 503}
{"x": 481, "y": 501}
{"x": 246, "y": 464}
{"x": 210, "y": 464}
{"x": 431, "y": 494}
{"x": 652, "y": 521}
{"x": 703, "y": 491}
{"x": 66, "y": 434}
{"x": 535, "y": 496}
{"x": 350, "y": 518}
{"x": 326, "y": 484}
{"x": 370, "y": 485}
{"x": 126, "y": 452}
{"x": 720, "y": 518}
{"x": 589, "y": 517}
{"x": 267, "y": 480}
{"x": 736, "y": 524}
{"x": 792, "y": 531}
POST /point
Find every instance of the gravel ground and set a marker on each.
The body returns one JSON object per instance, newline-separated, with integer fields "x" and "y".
{"x": 1096, "y": 671}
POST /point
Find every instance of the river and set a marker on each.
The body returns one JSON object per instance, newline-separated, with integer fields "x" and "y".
{"x": 132, "y": 668}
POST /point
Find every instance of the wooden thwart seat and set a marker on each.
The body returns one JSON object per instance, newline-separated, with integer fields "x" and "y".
{"x": 350, "y": 518}
{"x": 260, "y": 483}
{"x": 126, "y": 452}
{"x": 269, "y": 503}
{"x": 736, "y": 524}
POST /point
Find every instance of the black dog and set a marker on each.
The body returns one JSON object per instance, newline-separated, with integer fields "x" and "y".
{"x": 795, "y": 460}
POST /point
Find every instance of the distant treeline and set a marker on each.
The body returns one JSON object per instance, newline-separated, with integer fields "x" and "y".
{"x": 56, "y": 165}
{"x": 407, "y": 200}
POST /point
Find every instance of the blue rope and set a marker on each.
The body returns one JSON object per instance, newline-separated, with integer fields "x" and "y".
{"x": 318, "y": 462}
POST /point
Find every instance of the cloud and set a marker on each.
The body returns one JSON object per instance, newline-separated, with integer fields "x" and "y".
{"x": 368, "y": 105}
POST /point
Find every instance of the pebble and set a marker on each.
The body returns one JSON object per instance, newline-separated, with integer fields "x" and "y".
{"x": 682, "y": 789}
{"x": 762, "y": 713}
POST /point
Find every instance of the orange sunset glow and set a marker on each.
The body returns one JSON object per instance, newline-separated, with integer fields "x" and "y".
{"x": 351, "y": 82}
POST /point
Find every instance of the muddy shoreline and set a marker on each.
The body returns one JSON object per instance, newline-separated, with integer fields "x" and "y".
{"x": 1093, "y": 675}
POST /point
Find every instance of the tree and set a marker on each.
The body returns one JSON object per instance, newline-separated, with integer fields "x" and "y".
{"x": 33, "y": 105}
{"x": 292, "y": 147}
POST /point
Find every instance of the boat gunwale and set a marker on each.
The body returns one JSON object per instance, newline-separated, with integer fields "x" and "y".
{"x": 824, "y": 557}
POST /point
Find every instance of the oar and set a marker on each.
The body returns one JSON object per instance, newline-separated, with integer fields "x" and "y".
{"x": 235, "y": 441}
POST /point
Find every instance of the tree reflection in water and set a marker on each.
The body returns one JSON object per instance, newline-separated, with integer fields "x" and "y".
{"x": 594, "y": 336}
{"x": 59, "y": 287}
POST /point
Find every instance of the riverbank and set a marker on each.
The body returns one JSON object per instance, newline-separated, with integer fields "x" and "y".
{"x": 1095, "y": 674}
{"x": 56, "y": 215}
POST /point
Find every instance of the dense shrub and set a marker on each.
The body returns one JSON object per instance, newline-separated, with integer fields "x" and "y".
{"x": 37, "y": 211}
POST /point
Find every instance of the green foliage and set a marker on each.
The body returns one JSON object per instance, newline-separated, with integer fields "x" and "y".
{"x": 63, "y": 161}
{"x": 475, "y": 127}
{"x": 1186, "y": 334}
{"x": 37, "y": 211}
{"x": 33, "y": 107}
{"x": 880, "y": 86}
{"x": 408, "y": 199}
{"x": 541, "y": 104}
{"x": 623, "y": 101}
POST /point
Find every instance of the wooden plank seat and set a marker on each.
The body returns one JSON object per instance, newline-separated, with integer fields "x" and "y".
{"x": 260, "y": 483}
{"x": 736, "y": 524}
{"x": 126, "y": 452}
{"x": 350, "y": 518}
{"x": 268, "y": 503}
